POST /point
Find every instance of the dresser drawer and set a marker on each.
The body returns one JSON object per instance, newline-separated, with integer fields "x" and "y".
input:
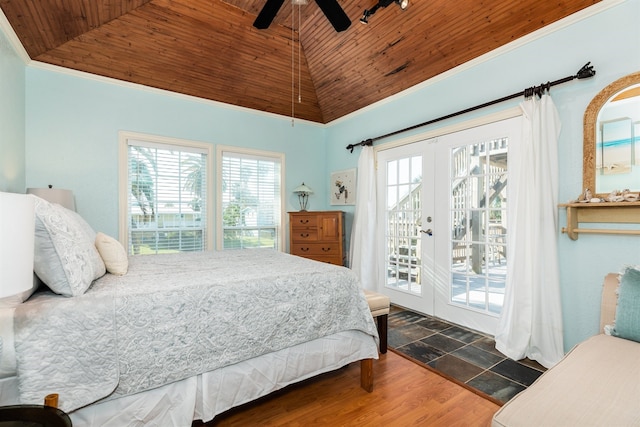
{"x": 315, "y": 249}
{"x": 299, "y": 234}
{"x": 329, "y": 259}
{"x": 304, "y": 220}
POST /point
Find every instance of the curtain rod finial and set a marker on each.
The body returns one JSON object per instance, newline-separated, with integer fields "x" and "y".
{"x": 586, "y": 71}
{"x": 369, "y": 141}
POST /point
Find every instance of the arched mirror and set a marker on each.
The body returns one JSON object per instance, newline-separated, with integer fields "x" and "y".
{"x": 612, "y": 138}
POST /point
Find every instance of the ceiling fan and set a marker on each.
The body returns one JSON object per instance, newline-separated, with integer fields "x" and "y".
{"x": 330, "y": 8}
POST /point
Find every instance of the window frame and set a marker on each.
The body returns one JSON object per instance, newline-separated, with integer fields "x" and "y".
{"x": 123, "y": 179}
{"x": 277, "y": 156}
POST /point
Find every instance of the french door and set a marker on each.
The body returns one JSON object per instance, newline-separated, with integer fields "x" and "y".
{"x": 443, "y": 205}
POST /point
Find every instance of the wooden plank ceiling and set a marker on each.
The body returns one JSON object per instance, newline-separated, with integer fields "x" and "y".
{"x": 209, "y": 48}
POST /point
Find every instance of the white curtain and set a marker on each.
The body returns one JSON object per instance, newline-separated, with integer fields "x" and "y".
{"x": 362, "y": 251}
{"x": 531, "y": 321}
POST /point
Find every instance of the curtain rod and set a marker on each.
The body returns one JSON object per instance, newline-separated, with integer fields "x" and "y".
{"x": 585, "y": 72}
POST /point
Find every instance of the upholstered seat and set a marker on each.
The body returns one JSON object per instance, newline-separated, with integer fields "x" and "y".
{"x": 379, "y": 306}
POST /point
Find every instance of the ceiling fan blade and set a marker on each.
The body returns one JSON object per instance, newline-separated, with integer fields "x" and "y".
{"x": 334, "y": 14}
{"x": 268, "y": 12}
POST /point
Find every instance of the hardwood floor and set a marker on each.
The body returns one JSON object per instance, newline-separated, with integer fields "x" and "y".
{"x": 404, "y": 394}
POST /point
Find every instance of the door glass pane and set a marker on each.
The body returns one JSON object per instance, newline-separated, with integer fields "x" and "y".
{"x": 478, "y": 184}
{"x": 403, "y": 216}
{"x": 477, "y": 157}
{"x": 392, "y": 173}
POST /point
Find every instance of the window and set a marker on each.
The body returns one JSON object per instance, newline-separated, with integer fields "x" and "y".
{"x": 165, "y": 193}
{"x": 250, "y": 201}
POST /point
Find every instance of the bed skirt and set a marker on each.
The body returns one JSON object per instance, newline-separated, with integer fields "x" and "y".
{"x": 204, "y": 396}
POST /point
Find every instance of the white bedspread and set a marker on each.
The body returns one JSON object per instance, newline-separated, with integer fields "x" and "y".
{"x": 175, "y": 316}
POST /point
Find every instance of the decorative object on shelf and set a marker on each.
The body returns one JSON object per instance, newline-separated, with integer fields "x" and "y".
{"x": 17, "y": 237}
{"x": 586, "y": 196}
{"x": 55, "y": 195}
{"x": 614, "y": 196}
{"x": 343, "y": 187}
{"x": 303, "y": 192}
{"x": 628, "y": 196}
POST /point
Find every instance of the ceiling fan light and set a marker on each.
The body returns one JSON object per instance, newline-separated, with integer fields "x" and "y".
{"x": 403, "y": 4}
{"x": 368, "y": 12}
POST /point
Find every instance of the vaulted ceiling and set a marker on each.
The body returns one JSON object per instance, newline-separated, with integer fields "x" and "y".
{"x": 298, "y": 66}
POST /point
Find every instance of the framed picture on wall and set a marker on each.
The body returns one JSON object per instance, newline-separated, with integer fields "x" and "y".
{"x": 343, "y": 187}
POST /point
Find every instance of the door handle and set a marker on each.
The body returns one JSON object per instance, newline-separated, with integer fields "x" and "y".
{"x": 427, "y": 231}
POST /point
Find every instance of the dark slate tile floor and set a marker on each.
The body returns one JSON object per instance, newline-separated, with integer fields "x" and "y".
{"x": 463, "y": 355}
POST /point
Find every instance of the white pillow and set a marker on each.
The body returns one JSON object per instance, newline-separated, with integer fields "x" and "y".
{"x": 65, "y": 257}
{"x": 113, "y": 254}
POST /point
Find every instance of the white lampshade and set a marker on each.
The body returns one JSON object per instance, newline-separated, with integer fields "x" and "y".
{"x": 303, "y": 189}
{"x": 17, "y": 235}
{"x": 55, "y": 195}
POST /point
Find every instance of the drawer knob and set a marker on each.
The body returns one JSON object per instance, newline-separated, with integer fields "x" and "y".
{"x": 326, "y": 249}
{"x": 304, "y": 221}
{"x": 304, "y": 234}
{"x": 304, "y": 249}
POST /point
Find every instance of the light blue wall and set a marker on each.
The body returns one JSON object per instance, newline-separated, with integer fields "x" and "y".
{"x": 611, "y": 41}
{"x": 72, "y": 136}
{"x": 12, "y": 119}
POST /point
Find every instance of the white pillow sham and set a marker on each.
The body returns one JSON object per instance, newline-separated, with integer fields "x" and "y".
{"x": 65, "y": 257}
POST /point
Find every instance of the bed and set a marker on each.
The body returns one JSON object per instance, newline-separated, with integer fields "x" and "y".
{"x": 177, "y": 337}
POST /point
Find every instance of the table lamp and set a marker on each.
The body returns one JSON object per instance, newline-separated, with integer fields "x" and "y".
{"x": 303, "y": 192}
{"x": 17, "y": 240}
{"x": 55, "y": 195}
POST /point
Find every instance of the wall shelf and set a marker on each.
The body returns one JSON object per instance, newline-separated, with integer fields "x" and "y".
{"x": 604, "y": 212}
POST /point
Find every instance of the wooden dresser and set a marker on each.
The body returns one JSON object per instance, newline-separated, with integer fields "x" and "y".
{"x": 318, "y": 235}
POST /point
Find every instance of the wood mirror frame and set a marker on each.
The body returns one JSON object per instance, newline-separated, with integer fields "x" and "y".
{"x": 590, "y": 129}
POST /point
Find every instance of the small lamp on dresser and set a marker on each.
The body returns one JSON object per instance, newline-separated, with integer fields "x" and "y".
{"x": 303, "y": 192}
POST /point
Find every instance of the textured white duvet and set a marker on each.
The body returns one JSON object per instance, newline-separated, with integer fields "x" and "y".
{"x": 175, "y": 316}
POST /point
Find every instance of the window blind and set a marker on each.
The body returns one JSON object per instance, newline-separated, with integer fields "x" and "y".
{"x": 166, "y": 198}
{"x": 251, "y": 200}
